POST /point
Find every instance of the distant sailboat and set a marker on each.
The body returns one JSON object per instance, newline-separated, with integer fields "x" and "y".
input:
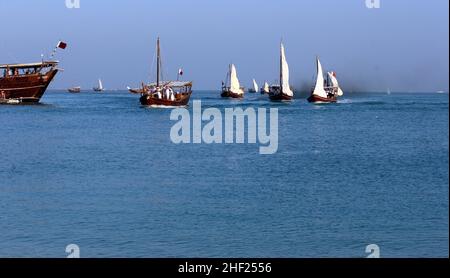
{"x": 255, "y": 87}
{"x": 234, "y": 89}
{"x": 282, "y": 92}
{"x": 100, "y": 86}
{"x": 265, "y": 89}
{"x": 325, "y": 91}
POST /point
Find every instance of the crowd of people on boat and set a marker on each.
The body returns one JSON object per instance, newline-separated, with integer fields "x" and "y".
{"x": 331, "y": 90}
{"x": 17, "y": 72}
{"x": 165, "y": 92}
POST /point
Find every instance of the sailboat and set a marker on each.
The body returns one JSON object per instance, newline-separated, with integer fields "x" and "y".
{"x": 334, "y": 84}
{"x": 100, "y": 87}
{"x": 234, "y": 89}
{"x": 265, "y": 89}
{"x": 325, "y": 91}
{"x": 282, "y": 92}
{"x": 165, "y": 93}
{"x": 255, "y": 87}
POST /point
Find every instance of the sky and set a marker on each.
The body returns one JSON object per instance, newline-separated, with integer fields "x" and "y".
{"x": 401, "y": 46}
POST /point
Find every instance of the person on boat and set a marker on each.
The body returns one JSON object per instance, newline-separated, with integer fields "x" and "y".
{"x": 172, "y": 96}
{"x": 166, "y": 92}
{"x": 177, "y": 94}
{"x": 158, "y": 93}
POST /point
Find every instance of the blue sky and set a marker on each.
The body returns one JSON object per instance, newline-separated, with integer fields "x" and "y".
{"x": 402, "y": 46}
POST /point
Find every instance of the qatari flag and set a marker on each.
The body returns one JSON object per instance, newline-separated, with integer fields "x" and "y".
{"x": 61, "y": 45}
{"x": 180, "y": 72}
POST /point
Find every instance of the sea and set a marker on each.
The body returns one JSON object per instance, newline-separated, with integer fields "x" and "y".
{"x": 101, "y": 172}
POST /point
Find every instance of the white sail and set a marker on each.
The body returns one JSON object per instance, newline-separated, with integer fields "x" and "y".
{"x": 100, "y": 84}
{"x": 319, "y": 90}
{"x": 335, "y": 83}
{"x": 255, "y": 85}
{"x": 285, "y": 74}
{"x": 235, "y": 86}
{"x": 266, "y": 87}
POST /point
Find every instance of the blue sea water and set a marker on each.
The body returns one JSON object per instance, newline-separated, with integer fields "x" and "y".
{"x": 100, "y": 171}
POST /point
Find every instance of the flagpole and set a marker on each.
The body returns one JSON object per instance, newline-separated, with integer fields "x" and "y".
{"x": 54, "y": 50}
{"x": 180, "y": 72}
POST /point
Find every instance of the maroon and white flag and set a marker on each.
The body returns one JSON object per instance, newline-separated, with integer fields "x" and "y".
{"x": 180, "y": 72}
{"x": 61, "y": 45}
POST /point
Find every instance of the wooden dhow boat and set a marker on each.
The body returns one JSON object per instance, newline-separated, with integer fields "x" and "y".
{"x": 164, "y": 93}
{"x": 325, "y": 90}
{"x": 167, "y": 94}
{"x": 74, "y": 90}
{"x": 282, "y": 92}
{"x": 232, "y": 88}
{"x": 26, "y": 83}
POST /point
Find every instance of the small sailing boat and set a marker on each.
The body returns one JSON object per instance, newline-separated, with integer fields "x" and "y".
{"x": 282, "y": 92}
{"x": 333, "y": 84}
{"x": 234, "y": 89}
{"x": 99, "y": 88}
{"x": 255, "y": 87}
{"x": 74, "y": 90}
{"x": 164, "y": 93}
{"x": 265, "y": 89}
{"x": 325, "y": 91}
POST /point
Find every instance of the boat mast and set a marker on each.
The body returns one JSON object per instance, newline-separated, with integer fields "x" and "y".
{"x": 281, "y": 67}
{"x": 158, "y": 63}
{"x": 227, "y": 83}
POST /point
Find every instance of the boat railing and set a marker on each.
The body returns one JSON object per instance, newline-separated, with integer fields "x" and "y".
{"x": 21, "y": 72}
